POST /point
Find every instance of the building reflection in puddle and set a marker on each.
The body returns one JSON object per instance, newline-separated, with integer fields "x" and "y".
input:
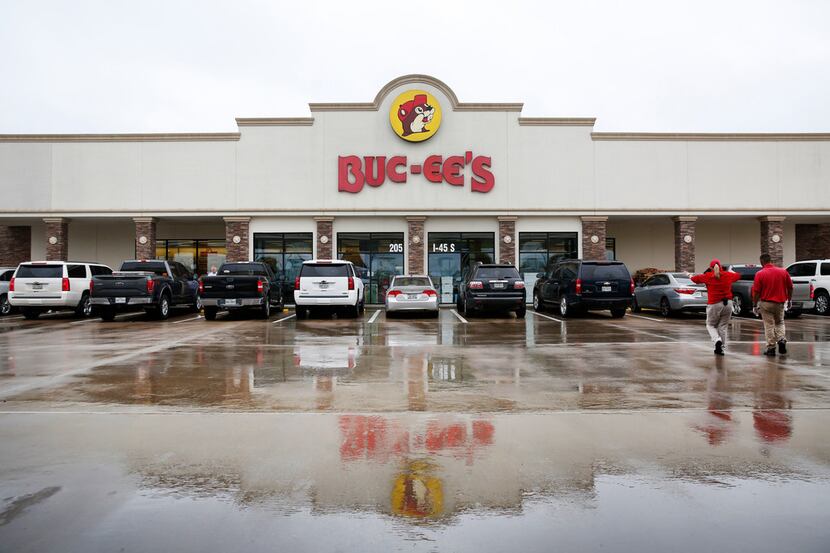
{"x": 770, "y": 415}
{"x": 719, "y": 423}
{"x": 417, "y": 492}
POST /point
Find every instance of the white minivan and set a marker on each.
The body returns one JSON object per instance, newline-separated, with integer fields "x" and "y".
{"x": 328, "y": 283}
{"x": 40, "y": 286}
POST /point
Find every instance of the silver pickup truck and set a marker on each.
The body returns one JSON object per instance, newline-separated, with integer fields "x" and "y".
{"x": 742, "y": 292}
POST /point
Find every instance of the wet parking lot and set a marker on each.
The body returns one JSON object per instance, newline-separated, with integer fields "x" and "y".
{"x": 408, "y": 434}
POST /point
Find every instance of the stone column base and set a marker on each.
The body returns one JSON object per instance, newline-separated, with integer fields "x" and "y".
{"x": 593, "y": 238}
{"x": 772, "y": 238}
{"x": 236, "y": 239}
{"x": 415, "y": 247}
{"x": 145, "y": 237}
{"x": 57, "y": 239}
{"x": 325, "y": 237}
{"x": 15, "y": 245}
{"x": 684, "y": 243}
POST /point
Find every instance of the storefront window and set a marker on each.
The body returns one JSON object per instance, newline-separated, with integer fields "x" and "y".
{"x": 377, "y": 257}
{"x": 285, "y": 253}
{"x": 449, "y": 253}
{"x": 197, "y": 255}
{"x": 537, "y": 249}
{"x": 611, "y": 249}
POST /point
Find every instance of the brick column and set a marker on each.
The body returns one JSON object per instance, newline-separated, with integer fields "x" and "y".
{"x": 593, "y": 238}
{"x": 325, "y": 237}
{"x": 684, "y": 243}
{"x": 57, "y": 239}
{"x": 507, "y": 240}
{"x": 145, "y": 237}
{"x": 415, "y": 247}
{"x": 236, "y": 239}
{"x": 15, "y": 245}
{"x": 812, "y": 241}
{"x": 772, "y": 238}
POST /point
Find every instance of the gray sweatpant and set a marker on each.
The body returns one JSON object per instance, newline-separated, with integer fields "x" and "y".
{"x": 717, "y": 320}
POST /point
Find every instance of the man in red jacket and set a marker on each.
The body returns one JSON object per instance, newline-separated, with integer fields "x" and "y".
{"x": 719, "y": 309}
{"x": 771, "y": 292}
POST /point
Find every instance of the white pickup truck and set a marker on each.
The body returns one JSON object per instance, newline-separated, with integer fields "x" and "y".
{"x": 817, "y": 273}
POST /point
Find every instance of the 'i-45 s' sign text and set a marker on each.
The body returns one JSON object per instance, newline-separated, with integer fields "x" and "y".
{"x": 353, "y": 172}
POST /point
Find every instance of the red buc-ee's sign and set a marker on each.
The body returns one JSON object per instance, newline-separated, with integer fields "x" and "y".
{"x": 355, "y": 171}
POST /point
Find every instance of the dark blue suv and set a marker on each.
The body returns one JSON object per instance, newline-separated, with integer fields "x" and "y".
{"x": 578, "y": 286}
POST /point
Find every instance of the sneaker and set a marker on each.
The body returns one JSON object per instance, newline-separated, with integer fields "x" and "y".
{"x": 718, "y": 348}
{"x": 782, "y": 347}
{"x": 770, "y": 351}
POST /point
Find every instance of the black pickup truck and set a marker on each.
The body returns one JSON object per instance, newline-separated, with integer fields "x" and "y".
{"x": 153, "y": 285}
{"x": 242, "y": 285}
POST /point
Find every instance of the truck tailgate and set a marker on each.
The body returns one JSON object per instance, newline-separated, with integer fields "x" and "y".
{"x": 120, "y": 284}
{"x": 238, "y": 286}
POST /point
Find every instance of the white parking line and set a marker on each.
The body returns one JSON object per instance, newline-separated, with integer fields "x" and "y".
{"x": 187, "y": 320}
{"x": 546, "y": 316}
{"x": 84, "y": 321}
{"x": 128, "y": 315}
{"x": 14, "y": 318}
{"x": 647, "y": 318}
{"x": 374, "y": 316}
{"x": 285, "y": 318}
{"x": 460, "y": 318}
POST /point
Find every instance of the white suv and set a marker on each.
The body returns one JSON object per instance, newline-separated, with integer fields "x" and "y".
{"x": 329, "y": 283}
{"x": 817, "y": 271}
{"x": 40, "y": 286}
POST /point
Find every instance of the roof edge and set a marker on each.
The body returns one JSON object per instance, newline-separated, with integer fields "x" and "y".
{"x": 711, "y": 137}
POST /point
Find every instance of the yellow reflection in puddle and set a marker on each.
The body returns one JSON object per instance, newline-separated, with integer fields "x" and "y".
{"x": 417, "y": 492}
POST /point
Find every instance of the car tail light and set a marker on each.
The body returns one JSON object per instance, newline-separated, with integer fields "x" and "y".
{"x": 151, "y": 285}
{"x": 260, "y": 286}
{"x": 631, "y": 287}
{"x": 430, "y": 293}
{"x": 64, "y": 284}
{"x": 475, "y": 285}
{"x": 812, "y": 291}
{"x": 201, "y": 286}
{"x": 11, "y": 285}
{"x": 393, "y": 293}
{"x": 351, "y": 283}
{"x": 297, "y": 283}
{"x": 578, "y": 286}
{"x": 91, "y": 285}
{"x": 518, "y": 285}
{"x": 687, "y": 291}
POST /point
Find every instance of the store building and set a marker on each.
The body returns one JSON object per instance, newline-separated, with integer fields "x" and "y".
{"x": 415, "y": 181}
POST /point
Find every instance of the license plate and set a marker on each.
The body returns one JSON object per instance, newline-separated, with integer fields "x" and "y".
{"x": 120, "y": 300}
{"x": 230, "y": 302}
{"x": 37, "y": 286}
{"x": 606, "y": 288}
{"x": 412, "y": 296}
{"x": 323, "y": 286}
{"x": 498, "y": 285}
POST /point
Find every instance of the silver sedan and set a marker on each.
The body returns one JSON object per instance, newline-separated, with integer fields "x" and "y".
{"x": 670, "y": 293}
{"x": 412, "y": 293}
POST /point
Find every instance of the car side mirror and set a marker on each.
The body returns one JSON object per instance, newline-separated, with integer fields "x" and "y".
{"x": 540, "y": 275}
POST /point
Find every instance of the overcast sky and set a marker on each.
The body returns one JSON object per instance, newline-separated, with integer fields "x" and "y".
{"x": 165, "y": 66}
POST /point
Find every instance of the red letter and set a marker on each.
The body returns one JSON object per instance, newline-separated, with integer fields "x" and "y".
{"x": 371, "y": 178}
{"x": 345, "y": 166}
{"x": 432, "y": 168}
{"x": 452, "y": 170}
{"x": 481, "y": 169}
{"x": 394, "y": 163}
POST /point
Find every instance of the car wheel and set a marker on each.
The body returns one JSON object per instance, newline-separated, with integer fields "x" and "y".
{"x": 635, "y": 307}
{"x": 520, "y": 312}
{"x": 108, "y": 314}
{"x": 665, "y": 307}
{"x": 822, "y": 303}
{"x": 198, "y": 305}
{"x": 265, "y": 310}
{"x": 30, "y": 313}
{"x": 210, "y": 313}
{"x": 5, "y": 306}
{"x": 537, "y": 303}
{"x": 84, "y": 308}
{"x": 163, "y": 310}
{"x": 564, "y": 308}
{"x": 618, "y": 313}
{"x": 738, "y": 307}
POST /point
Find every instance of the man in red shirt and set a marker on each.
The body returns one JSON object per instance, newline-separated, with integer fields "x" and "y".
{"x": 719, "y": 309}
{"x": 771, "y": 292}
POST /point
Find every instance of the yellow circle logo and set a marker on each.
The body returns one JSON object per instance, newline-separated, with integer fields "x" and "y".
{"x": 415, "y": 115}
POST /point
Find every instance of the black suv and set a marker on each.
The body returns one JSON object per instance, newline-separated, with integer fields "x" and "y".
{"x": 575, "y": 286}
{"x": 491, "y": 287}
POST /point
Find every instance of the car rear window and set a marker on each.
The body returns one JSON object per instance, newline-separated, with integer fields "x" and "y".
{"x": 157, "y": 268}
{"x": 40, "y": 271}
{"x": 242, "y": 269}
{"x": 616, "y": 271}
{"x": 747, "y": 273}
{"x": 412, "y": 281}
{"x": 497, "y": 273}
{"x": 325, "y": 270}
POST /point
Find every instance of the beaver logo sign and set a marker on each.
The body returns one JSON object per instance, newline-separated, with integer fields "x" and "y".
{"x": 415, "y": 115}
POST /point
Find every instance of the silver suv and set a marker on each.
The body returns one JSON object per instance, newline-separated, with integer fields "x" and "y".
{"x": 817, "y": 272}
{"x": 40, "y": 286}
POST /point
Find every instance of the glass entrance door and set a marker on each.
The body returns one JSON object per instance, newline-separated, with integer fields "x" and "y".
{"x": 377, "y": 257}
{"x": 449, "y": 253}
